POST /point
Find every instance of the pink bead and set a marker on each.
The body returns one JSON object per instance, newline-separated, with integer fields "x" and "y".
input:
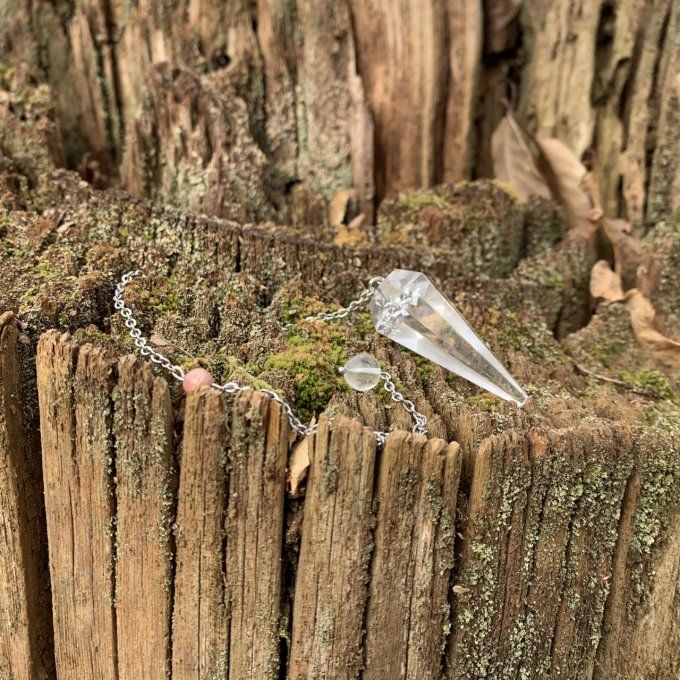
{"x": 195, "y": 378}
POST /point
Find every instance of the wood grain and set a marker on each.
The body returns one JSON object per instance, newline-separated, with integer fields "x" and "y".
{"x": 200, "y": 616}
{"x": 538, "y": 574}
{"x": 145, "y": 497}
{"x": 257, "y": 456}
{"x": 25, "y": 604}
{"x": 74, "y": 387}
{"x": 538, "y": 551}
{"x": 333, "y": 570}
{"x": 408, "y": 609}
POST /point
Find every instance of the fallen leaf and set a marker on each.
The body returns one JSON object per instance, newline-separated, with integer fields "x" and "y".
{"x": 626, "y": 248}
{"x": 357, "y": 222}
{"x": 605, "y": 283}
{"x": 337, "y": 206}
{"x": 515, "y": 157}
{"x": 642, "y": 316}
{"x": 501, "y": 25}
{"x": 571, "y": 183}
{"x": 544, "y": 167}
{"x": 298, "y": 465}
{"x": 159, "y": 341}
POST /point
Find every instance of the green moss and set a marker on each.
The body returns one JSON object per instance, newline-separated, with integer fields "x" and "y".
{"x": 311, "y": 363}
{"x": 651, "y": 380}
{"x": 487, "y": 402}
{"x": 606, "y": 350}
{"x": 415, "y": 200}
{"x": 676, "y": 221}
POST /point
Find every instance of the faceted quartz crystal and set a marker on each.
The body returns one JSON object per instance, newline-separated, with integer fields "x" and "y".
{"x": 409, "y": 309}
{"x": 361, "y": 372}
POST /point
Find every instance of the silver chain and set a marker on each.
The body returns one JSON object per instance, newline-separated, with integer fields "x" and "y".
{"x": 345, "y": 311}
{"x": 177, "y": 372}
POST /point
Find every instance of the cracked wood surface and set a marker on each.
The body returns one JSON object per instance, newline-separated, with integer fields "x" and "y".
{"x": 335, "y": 553}
{"x": 25, "y": 616}
{"x": 544, "y": 561}
{"x": 75, "y": 426}
{"x": 200, "y": 622}
{"x": 375, "y": 96}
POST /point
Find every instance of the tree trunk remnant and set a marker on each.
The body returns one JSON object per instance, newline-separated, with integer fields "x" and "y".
{"x": 333, "y": 568}
{"x": 25, "y": 607}
{"x": 278, "y": 154}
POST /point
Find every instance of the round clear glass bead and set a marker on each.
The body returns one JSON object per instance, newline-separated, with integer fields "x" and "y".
{"x": 361, "y": 372}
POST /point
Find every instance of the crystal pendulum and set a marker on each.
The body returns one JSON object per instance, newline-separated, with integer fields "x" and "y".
{"x": 409, "y": 309}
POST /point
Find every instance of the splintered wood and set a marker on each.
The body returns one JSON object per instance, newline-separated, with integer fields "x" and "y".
{"x": 171, "y": 552}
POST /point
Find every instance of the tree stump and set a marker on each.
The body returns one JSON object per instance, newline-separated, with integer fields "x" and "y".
{"x": 260, "y": 163}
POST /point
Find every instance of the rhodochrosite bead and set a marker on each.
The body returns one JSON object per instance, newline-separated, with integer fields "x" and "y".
{"x": 196, "y": 377}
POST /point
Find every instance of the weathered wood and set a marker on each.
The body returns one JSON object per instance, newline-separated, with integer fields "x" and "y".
{"x": 664, "y": 176}
{"x": 538, "y": 554}
{"x": 554, "y": 517}
{"x": 633, "y": 161}
{"x": 25, "y": 606}
{"x": 200, "y": 622}
{"x": 333, "y": 568}
{"x": 465, "y": 44}
{"x": 75, "y": 425}
{"x": 257, "y": 455}
{"x": 335, "y": 96}
{"x": 199, "y": 566}
{"x": 640, "y": 631}
{"x": 145, "y": 498}
{"x": 408, "y": 610}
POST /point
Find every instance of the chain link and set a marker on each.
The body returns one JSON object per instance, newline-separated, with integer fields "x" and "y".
{"x": 345, "y": 311}
{"x": 177, "y": 372}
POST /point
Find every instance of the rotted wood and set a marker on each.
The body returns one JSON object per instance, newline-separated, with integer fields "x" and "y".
{"x": 535, "y": 573}
{"x": 596, "y": 75}
{"x": 334, "y": 566}
{"x": 25, "y": 606}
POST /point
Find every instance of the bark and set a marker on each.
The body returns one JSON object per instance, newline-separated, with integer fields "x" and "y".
{"x": 372, "y": 96}
{"x": 147, "y": 534}
{"x": 25, "y": 607}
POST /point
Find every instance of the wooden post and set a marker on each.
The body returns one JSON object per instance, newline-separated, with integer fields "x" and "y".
{"x": 25, "y": 605}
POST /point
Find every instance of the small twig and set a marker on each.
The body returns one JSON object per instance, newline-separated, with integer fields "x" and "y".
{"x": 645, "y": 391}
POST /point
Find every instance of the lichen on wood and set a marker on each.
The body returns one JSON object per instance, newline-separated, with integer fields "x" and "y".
{"x": 534, "y": 543}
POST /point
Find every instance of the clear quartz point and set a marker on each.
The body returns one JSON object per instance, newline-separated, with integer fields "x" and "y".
{"x": 409, "y": 309}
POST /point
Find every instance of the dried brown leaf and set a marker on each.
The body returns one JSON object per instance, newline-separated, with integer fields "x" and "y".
{"x": 515, "y": 157}
{"x": 642, "y": 316}
{"x": 501, "y": 25}
{"x": 159, "y": 341}
{"x": 298, "y": 465}
{"x": 337, "y": 206}
{"x": 626, "y": 248}
{"x": 572, "y": 183}
{"x": 605, "y": 283}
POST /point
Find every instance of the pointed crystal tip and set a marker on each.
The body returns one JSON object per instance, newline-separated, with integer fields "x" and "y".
{"x": 409, "y": 309}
